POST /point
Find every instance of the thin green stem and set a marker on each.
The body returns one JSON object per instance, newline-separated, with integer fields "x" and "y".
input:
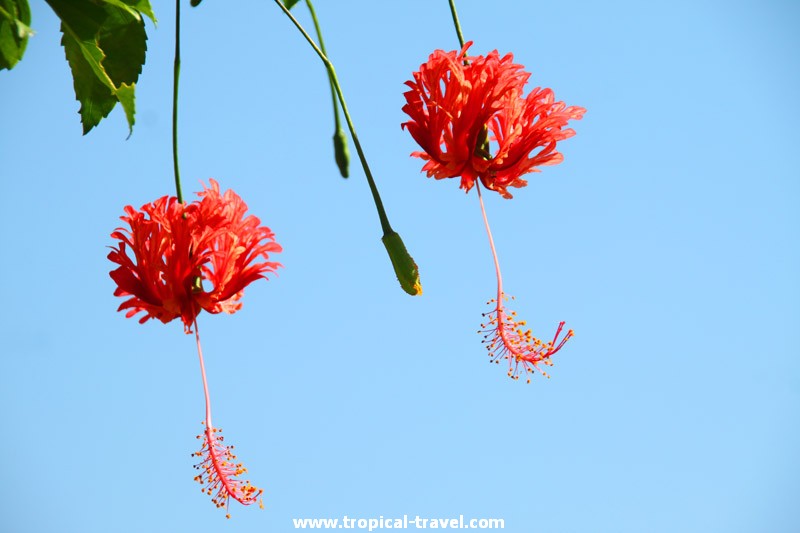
{"x": 322, "y": 47}
{"x": 176, "y": 73}
{"x": 456, "y": 22}
{"x": 387, "y": 228}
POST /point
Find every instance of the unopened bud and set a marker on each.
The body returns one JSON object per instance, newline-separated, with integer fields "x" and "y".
{"x": 404, "y": 265}
{"x": 341, "y": 152}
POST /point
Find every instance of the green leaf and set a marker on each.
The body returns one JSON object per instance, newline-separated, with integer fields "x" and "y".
{"x": 96, "y": 98}
{"x": 124, "y": 43}
{"x": 15, "y": 19}
{"x": 139, "y": 7}
{"x": 105, "y": 45}
{"x": 126, "y": 96}
{"x": 290, "y": 3}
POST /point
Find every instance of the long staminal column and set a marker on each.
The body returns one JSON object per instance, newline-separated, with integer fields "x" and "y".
{"x": 505, "y": 335}
{"x": 219, "y": 471}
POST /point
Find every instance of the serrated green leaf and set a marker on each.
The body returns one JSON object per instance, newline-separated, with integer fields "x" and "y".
{"x": 124, "y": 42}
{"x": 81, "y": 21}
{"x": 290, "y": 3}
{"x": 105, "y": 44}
{"x": 126, "y": 94}
{"x": 96, "y": 98}
{"x": 15, "y": 18}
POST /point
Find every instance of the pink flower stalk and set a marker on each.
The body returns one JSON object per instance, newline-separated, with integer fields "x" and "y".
{"x": 219, "y": 471}
{"x": 504, "y": 334}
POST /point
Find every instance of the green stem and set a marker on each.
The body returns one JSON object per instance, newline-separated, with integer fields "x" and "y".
{"x": 322, "y": 47}
{"x": 175, "y": 76}
{"x": 457, "y": 24}
{"x": 387, "y": 228}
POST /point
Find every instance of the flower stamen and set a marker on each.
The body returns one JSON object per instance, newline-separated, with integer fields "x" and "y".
{"x": 219, "y": 472}
{"x": 505, "y": 337}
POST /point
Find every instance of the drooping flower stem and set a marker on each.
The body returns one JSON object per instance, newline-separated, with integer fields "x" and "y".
{"x": 203, "y": 374}
{"x": 505, "y": 335}
{"x": 491, "y": 243}
{"x": 456, "y": 22}
{"x": 404, "y": 266}
{"x": 176, "y": 73}
{"x": 339, "y": 139}
{"x": 387, "y": 228}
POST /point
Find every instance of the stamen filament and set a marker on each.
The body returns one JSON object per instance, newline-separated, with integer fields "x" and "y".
{"x": 203, "y": 374}
{"x": 491, "y": 243}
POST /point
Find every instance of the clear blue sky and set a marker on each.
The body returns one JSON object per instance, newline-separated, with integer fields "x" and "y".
{"x": 668, "y": 240}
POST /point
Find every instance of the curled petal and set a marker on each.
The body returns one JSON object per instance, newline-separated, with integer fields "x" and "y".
{"x": 156, "y": 269}
{"x": 235, "y": 253}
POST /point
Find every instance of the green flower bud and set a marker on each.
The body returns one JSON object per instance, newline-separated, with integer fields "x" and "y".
{"x": 341, "y": 152}
{"x": 404, "y": 265}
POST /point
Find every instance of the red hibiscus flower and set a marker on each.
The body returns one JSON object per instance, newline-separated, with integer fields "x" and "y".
{"x": 469, "y": 116}
{"x": 471, "y": 119}
{"x": 189, "y": 257}
{"x": 186, "y": 258}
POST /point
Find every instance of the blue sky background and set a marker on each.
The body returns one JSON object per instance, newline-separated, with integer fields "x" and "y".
{"x": 668, "y": 240}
